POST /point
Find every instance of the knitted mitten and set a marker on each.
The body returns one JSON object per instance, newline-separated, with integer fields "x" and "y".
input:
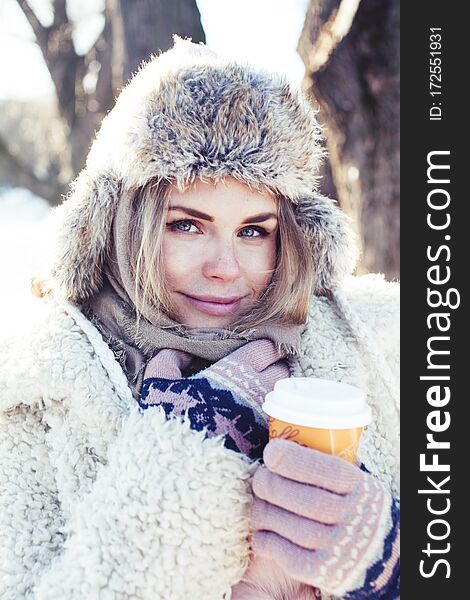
{"x": 168, "y": 364}
{"x": 223, "y": 399}
{"x": 325, "y": 522}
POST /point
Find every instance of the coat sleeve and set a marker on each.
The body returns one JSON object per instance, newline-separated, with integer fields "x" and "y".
{"x": 167, "y": 518}
{"x": 164, "y": 516}
{"x": 31, "y": 525}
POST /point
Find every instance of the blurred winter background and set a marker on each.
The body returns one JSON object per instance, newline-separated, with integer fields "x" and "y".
{"x": 62, "y": 61}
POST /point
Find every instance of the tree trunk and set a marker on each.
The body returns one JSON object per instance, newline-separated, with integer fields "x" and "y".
{"x": 357, "y": 88}
{"x": 143, "y": 27}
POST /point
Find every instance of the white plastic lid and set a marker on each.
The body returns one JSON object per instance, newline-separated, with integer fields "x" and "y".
{"x": 318, "y": 403}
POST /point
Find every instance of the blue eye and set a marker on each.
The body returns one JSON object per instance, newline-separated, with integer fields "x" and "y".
{"x": 182, "y": 225}
{"x": 256, "y": 232}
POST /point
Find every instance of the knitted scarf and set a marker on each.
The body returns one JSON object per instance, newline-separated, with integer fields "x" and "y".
{"x": 112, "y": 310}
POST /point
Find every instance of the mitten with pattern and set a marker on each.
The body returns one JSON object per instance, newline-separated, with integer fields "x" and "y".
{"x": 223, "y": 399}
{"x": 325, "y": 522}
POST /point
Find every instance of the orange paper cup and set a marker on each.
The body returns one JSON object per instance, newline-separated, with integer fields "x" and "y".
{"x": 324, "y": 415}
{"x": 339, "y": 442}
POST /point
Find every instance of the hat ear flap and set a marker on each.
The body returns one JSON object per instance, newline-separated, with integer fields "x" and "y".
{"x": 332, "y": 240}
{"x": 83, "y": 231}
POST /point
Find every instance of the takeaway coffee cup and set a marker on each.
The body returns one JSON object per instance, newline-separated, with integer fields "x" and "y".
{"x": 325, "y": 415}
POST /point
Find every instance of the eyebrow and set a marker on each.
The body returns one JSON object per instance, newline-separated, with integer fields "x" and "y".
{"x": 200, "y": 215}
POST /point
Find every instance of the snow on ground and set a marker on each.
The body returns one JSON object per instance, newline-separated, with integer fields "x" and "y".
{"x": 23, "y": 244}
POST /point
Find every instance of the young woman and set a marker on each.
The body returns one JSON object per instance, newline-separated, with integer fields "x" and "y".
{"x": 195, "y": 266}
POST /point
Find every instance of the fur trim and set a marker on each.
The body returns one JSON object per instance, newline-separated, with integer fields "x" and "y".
{"x": 332, "y": 240}
{"x": 190, "y": 114}
{"x": 83, "y": 225}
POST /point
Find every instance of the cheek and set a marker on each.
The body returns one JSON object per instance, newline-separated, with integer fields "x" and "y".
{"x": 177, "y": 262}
{"x": 259, "y": 263}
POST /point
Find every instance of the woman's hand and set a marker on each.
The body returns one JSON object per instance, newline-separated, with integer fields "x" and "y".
{"x": 224, "y": 399}
{"x": 324, "y": 521}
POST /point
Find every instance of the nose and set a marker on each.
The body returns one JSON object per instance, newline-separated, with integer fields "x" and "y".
{"x": 221, "y": 262}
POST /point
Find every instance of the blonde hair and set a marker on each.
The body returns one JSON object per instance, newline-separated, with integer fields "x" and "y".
{"x": 286, "y": 298}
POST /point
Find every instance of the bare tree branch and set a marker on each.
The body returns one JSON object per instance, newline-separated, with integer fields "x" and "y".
{"x": 60, "y": 13}
{"x": 330, "y": 35}
{"x": 39, "y": 30}
{"x": 102, "y": 52}
{"x": 57, "y": 48}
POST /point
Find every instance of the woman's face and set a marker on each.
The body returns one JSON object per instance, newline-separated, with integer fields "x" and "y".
{"x": 219, "y": 251}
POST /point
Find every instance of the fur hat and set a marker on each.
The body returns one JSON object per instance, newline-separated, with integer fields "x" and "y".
{"x": 189, "y": 113}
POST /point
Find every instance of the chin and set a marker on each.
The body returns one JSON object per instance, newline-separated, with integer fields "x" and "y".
{"x": 207, "y": 321}
{"x": 195, "y": 319}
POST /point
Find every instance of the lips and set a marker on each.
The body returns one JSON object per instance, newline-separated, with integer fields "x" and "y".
{"x": 217, "y": 299}
{"x": 215, "y": 305}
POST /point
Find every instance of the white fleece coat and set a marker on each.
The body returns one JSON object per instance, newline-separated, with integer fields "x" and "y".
{"x": 99, "y": 501}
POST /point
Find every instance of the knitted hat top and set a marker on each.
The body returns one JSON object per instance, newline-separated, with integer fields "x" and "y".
{"x": 189, "y": 113}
